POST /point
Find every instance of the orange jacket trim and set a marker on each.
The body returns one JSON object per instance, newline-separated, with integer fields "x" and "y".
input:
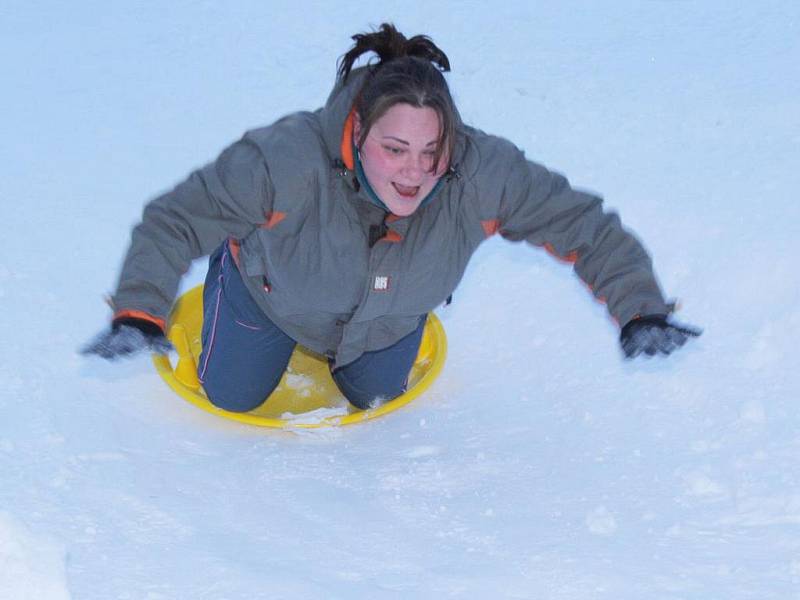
{"x": 490, "y": 226}
{"x": 391, "y": 236}
{"x": 273, "y": 218}
{"x": 569, "y": 258}
{"x": 139, "y": 314}
{"x": 347, "y": 141}
{"x": 235, "y": 247}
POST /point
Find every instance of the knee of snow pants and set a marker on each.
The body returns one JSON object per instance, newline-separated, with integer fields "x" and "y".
{"x": 244, "y": 354}
{"x": 379, "y": 376}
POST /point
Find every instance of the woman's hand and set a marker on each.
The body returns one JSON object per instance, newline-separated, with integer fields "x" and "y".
{"x": 126, "y": 337}
{"x": 654, "y": 334}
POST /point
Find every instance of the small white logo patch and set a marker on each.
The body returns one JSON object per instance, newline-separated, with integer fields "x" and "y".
{"x": 381, "y": 283}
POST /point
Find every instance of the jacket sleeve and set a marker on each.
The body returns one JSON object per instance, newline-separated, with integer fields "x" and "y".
{"x": 227, "y": 198}
{"x": 540, "y": 207}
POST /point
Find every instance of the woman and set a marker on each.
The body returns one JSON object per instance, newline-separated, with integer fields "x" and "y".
{"x": 342, "y": 228}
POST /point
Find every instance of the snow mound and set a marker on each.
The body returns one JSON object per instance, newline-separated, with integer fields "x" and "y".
{"x": 32, "y": 567}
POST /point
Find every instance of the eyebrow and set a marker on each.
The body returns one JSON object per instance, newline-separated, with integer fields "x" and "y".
{"x": 397, "y": 139}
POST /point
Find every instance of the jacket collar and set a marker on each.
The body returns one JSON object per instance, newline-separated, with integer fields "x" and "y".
{"x": 334, "y": 116}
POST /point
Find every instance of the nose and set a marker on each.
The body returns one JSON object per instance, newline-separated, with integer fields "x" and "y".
{"x": 414, "y": 167}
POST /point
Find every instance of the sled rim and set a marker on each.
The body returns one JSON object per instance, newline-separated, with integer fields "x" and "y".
{"x": 434, "y": 336}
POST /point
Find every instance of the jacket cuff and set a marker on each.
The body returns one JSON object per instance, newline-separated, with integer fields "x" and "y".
{"x": 141, "y": 315}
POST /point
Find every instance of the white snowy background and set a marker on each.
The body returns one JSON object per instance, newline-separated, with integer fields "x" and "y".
{"x": 541, "y": 464}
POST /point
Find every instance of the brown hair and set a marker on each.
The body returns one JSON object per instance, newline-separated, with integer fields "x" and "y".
{"x": 410, "y": 72}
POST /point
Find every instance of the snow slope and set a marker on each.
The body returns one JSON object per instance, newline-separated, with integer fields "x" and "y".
{"x": 540, "y": 465}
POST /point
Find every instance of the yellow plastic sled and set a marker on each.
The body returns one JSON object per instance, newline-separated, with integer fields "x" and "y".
{"x": 306, "y": 396}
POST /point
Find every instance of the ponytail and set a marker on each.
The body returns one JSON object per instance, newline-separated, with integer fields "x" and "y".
{"x": 389, "y": 44}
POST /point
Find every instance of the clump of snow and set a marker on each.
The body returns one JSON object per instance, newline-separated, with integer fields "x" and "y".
{"x": 377, "y": 402}
{"x": 600, "y": 521}
{"x": 701, "y": 485}
{"x": 422, "y": 451}
{"x": 303, "y": 385}
{"x": 319, "y": 415}
{"x": 298, "y": 381}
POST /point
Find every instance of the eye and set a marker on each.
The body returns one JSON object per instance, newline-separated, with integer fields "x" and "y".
{"x": 393, "y": 150}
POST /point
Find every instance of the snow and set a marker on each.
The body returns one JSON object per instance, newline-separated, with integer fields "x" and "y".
{"x": 315, "y": 416}
{"x": 31, "y": 566}
{"x": 540, "y": 464}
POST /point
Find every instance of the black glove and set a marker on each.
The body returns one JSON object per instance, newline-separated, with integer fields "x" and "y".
{"x": 654, "y": 334}
{"x": 126, "y": 337}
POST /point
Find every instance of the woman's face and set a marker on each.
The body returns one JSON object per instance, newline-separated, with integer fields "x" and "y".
{"x": 397, "y": 156}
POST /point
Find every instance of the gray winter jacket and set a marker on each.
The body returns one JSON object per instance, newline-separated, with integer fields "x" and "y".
{"x": 288, "y": 197}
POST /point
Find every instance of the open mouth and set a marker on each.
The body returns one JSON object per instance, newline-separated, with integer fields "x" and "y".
{"x": 406, "y": 191}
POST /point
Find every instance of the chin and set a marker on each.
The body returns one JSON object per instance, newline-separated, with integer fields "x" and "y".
{"x": 403, "y": 209}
